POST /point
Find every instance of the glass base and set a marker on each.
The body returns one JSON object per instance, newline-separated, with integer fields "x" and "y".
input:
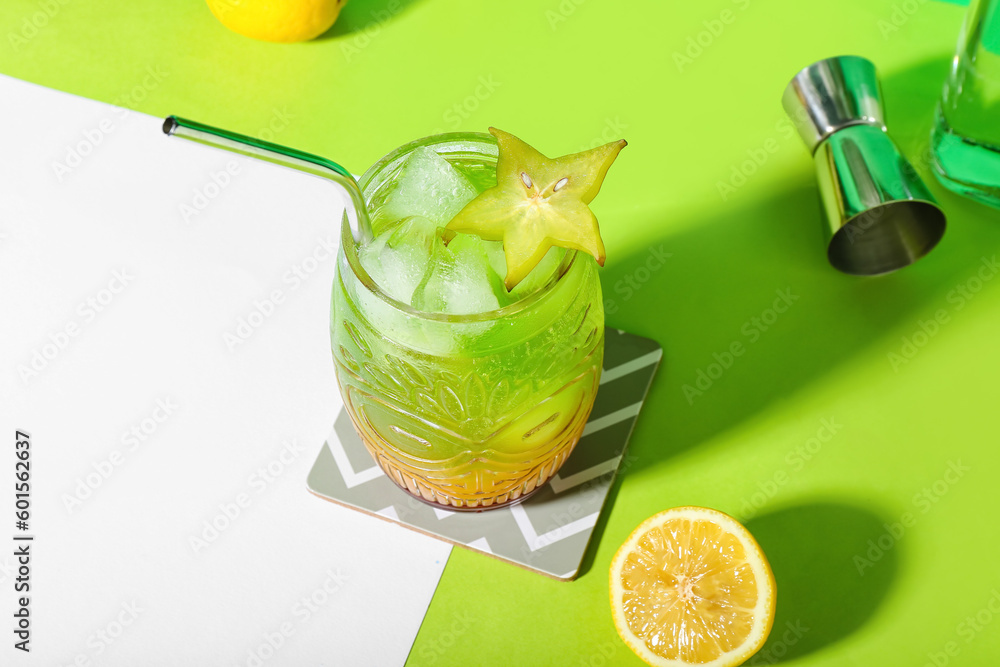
{"x": 964, "y": 165}
{"x": 466, "y": 509}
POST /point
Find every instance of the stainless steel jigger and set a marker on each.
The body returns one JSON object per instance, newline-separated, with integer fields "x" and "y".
{"x": 879, "y": 214}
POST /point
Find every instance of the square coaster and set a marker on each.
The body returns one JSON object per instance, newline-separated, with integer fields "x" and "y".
{"x": 548, "y": 532}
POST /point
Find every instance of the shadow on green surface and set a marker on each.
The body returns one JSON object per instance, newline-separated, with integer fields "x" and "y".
{"x": 602, "y": 521}
{"x": 359, "y": 16}
{"x": 834, "y": 565}
{"x": 755, "y": 276}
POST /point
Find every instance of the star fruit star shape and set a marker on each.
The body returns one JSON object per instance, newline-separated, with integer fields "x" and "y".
{"x": 538, "y": 203}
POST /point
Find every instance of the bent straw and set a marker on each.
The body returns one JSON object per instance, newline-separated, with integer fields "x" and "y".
{"x": 360, "y": 223}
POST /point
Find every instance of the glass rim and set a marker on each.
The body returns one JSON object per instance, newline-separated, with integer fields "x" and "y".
{"x": 350, "y": 246}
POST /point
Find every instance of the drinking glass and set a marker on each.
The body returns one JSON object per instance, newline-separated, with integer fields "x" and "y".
{"x": 466, "y": 412}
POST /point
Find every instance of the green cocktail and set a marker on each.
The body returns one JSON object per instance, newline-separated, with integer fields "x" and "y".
{"x": 467, "y": 395}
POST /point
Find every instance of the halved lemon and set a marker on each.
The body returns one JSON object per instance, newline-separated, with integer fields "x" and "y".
{"x": 691, "y": 586}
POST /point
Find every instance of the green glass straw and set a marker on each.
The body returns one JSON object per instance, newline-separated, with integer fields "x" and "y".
{"x": 359, "y": 222}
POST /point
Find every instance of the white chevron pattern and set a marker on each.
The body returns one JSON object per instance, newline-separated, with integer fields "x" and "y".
{"x": 559, "y": 484}
{"x": 595, "y": 425}
{"x": 536, "y": 541}
{"x": 351, "y": 478}
{"x": 389, "y": 512}
{"x": 631, "y": 366}
{"x": 481, "y": 544}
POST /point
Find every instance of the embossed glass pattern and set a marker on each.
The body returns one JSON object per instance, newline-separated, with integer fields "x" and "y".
{"x": 468, "y": 412}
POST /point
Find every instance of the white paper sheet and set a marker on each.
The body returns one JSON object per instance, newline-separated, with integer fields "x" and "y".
{"x": 163, "y": 338}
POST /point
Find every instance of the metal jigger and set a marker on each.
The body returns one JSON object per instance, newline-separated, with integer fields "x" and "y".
{"x": 879, "y": 214}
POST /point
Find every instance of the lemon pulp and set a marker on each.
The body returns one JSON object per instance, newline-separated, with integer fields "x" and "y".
{"x": 692, "y": 587}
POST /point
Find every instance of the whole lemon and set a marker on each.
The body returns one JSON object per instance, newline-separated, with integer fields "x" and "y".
{"x": 277, "y": 20}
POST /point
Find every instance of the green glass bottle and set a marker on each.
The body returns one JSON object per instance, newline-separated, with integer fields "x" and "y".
{"x": 966, "y": 137}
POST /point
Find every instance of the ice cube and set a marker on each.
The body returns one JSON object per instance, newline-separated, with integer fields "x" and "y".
{"x": 397, "y": 258}
{"x": 538, "y": 276}
{"x": 403, "y": 269}
{"x": 428, "y": 186}
{"x": 413, "y": 230}
{"x": 457, "y": 280}
{"x": 369, "y": 257}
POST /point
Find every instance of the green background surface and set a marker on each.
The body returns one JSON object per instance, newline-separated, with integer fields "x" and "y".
{"x": 568, "y": 74}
